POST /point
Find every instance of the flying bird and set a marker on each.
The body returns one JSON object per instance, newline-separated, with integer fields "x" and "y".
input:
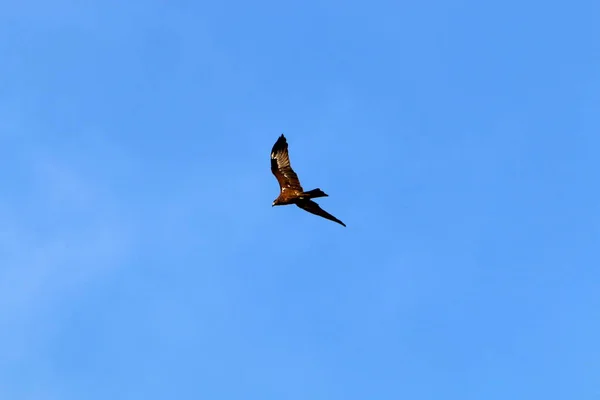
{"x": 291, "y": 191}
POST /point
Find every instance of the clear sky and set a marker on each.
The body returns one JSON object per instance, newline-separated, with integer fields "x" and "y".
{"x": 140, "y": 257}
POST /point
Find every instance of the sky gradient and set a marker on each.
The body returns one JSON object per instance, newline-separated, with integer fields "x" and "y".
{"x": 140, "y": 257}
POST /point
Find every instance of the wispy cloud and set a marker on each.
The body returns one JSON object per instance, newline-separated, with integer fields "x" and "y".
{"x": 58, "y": 233}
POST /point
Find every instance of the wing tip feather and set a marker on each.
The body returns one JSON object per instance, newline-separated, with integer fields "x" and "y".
{"x": 279, "y": 145}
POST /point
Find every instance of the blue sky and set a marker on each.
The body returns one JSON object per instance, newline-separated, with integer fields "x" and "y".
{"x": 140, "y": 257}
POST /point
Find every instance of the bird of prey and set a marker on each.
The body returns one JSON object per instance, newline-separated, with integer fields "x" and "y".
{"x": 291, "y": 191}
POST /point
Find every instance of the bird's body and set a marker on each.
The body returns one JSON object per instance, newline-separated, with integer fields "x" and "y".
{"x": 290, "y": 189}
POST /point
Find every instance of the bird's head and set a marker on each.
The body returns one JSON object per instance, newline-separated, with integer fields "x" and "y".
{"x": 275, "y": 203}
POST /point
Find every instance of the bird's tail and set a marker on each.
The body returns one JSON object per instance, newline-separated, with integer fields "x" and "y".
{"x": 312, "y": 194}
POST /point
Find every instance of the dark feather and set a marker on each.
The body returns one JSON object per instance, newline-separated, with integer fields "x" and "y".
{"x": 281, "y": 167}
{"x": 314, "y": 208}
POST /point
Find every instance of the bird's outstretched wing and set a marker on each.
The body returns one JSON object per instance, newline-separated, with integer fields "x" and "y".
{"x": 281, "y": 168}
{"x": 314, "y": 208}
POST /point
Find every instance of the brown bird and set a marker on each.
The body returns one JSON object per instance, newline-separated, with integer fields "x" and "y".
{"x": 291, "y": 191}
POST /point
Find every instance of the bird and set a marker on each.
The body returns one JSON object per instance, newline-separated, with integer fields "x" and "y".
{"x": 290, "y": 189}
